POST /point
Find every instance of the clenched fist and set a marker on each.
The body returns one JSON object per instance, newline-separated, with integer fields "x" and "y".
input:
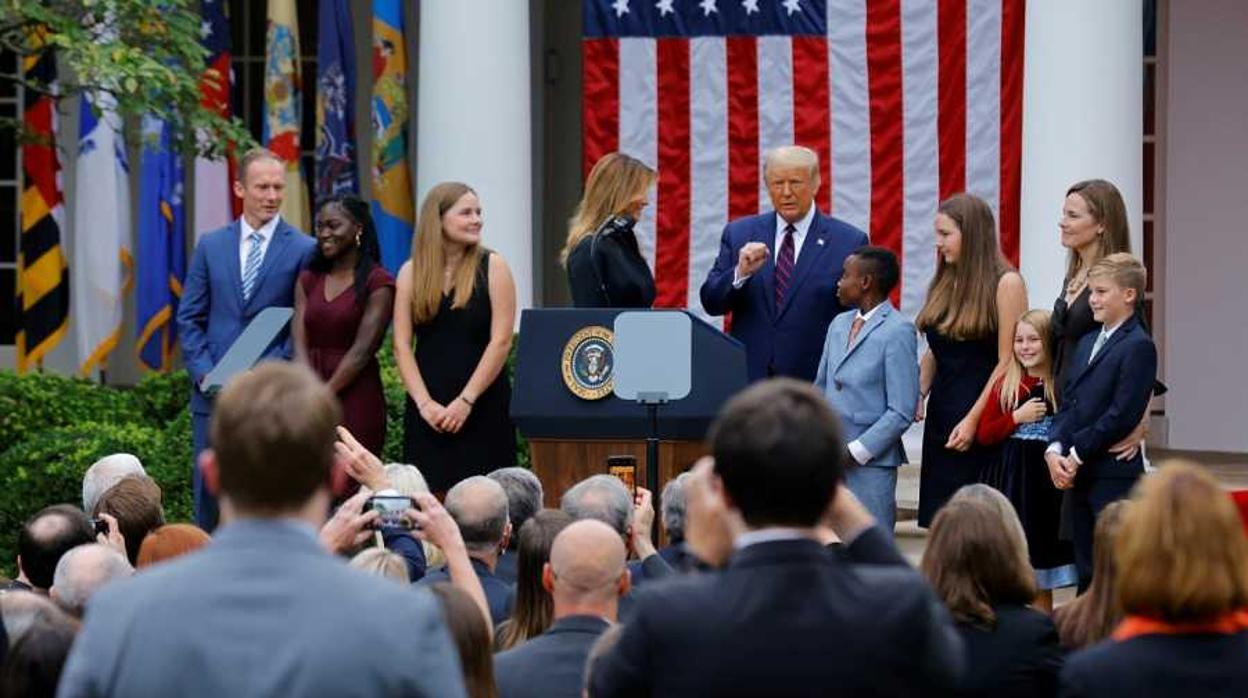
{"x": 751, "y": 258}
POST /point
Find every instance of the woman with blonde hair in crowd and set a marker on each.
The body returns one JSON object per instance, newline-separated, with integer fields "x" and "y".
{"x": 973, "y": 301}
{"x": 382, "y": 563}
{"x": 1183, "y": 585}
{"x": 1094, "y": 614}
{"x": 604, "y": 262}
{"x": 976, "y": 561}
{"x": 456, "y": 304}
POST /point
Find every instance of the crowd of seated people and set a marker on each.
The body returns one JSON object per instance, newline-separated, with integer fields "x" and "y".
{"x": 774, "y": 579}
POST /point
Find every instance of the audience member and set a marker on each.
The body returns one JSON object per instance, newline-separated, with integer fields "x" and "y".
{"x": 48, "y": 535}
{"x": 672, "y": 510}
{"x": 1094, "y": 614}
{"x": 976, "y": 558}
{"x": 709, "y": 524}
{"x": 604, "y": 644}
{"x": 586, "y": 577}
{"x": 170, "y": 541}
{"x": 471, "y": 635}
{"x": 534, "y": 609}
{"x": 854, "y": 534}
{"x": 32, "y": 666}
{"x": 19, "y": 610}
{"x": 606, "y": 499}
{"x": 1183, "y": 585}
{"x": 524, "y": 499}
{"x": 479, "y": 507}
{"x": 135, "y": 501}
{"x": 106, "y": 472}
{"x": 382, "y": 563}
{"x": 82, "y": 572}
{"x": 762, "y": 626}
{"x": 231, "y": 606}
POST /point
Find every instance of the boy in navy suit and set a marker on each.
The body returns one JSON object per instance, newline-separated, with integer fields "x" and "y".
{"x": 1104, "y": 398}
{"x": 869, "y": 373}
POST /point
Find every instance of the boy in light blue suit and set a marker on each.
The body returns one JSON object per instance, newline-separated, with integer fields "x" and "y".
{"x": 870, "y": 374}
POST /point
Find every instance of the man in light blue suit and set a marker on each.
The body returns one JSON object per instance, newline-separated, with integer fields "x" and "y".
{"x": 236, "y": 272}
{"x": 870, "y": 374}
{"x": 776, "y": 272}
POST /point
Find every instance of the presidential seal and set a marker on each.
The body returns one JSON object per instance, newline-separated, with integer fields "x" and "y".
{"x": 589, "y": 363}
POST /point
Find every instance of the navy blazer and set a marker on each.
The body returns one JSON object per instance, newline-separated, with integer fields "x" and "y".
{"x": 1160, "y": 666}
{"x": 784, "y": 341}
{"x": 551, "y": 665}
{"x": 212, "y": 312}
{"x": 1104, "y": 400}
{"x": 498, "y": 594}
{"x": 1018, "y": 657}
{"x": 786, "y": 618}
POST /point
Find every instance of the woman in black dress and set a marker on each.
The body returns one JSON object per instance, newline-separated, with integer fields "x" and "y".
{"x": 457, "y": 299}
{"x": 968, "y": 318}
{"x": 604, "y": 262}
{"x": 1093, "y": 225}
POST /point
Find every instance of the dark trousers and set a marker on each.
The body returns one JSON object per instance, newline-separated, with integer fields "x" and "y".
{"x": 1088, "y": 497}
{"x": 205, "y": 503}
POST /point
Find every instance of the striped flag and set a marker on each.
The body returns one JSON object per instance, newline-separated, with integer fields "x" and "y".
{"x": 335, "y": 102}
{"x": 905, "y": 101}
{"x": 42, "y": 282}
{"x": 393, "y": 210}
{"x": 283, "y": 106}
{"x": 162, "y": 247}
{"x": 103, "y": 269}
{"x": 215, "y": 204}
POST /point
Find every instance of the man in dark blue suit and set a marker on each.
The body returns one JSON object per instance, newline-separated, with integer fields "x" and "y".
{"x": 785, "y": 617}
{"x": 1105, "y": 397}
{"x": 777, "y": 272}
{"x": 586, "y": 577}
{"x": 236, "y": 272}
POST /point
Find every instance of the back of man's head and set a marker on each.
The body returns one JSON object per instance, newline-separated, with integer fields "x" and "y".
{"x": 48, "y": 535}
{"x": 777, "y": 448}
{"x": 603, "y": 498}
{"x": 479, "y": 507}
{"x": 37, "y": 653}
{"x": 586, "y": 572}
{"x": 673, "y": 508}
{"x": 135, "y": 501}
{"x": 273, "y": 438}
{"x": 524, "y": 495}
{"x": 83, "y": 571}
{"x": 106, "y": 472}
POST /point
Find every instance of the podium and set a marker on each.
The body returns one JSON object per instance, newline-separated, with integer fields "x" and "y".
{"x": 563, "y": 404}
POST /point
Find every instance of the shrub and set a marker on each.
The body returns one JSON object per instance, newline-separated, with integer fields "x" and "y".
{"x": 34, "y": 402}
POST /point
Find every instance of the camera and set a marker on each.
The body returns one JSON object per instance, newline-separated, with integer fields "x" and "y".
{"x": 391, "y": 510}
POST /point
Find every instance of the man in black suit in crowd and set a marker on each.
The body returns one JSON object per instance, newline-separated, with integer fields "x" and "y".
{"x": 479, "y": 507}
{"x": 586, "y": 577}
{"x": 785, "y": 618}
{"x": 524, "y": 499}
{"x": 45, "y": 537}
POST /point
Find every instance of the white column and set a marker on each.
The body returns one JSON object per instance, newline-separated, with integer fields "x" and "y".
{"x": 1082, "y": 119}
{"x": 473, "y": 119}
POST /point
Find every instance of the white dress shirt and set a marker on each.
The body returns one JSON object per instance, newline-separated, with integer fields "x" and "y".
{"x": 770, "y": 534}
{"x": 800, "y": 229}
{"x": 266, "y": 236}
{"x": 855, "y": 447}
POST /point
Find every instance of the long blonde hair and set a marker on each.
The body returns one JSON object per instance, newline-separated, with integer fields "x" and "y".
{"x": 1013, "y": 378}
{"x": 429, "y": 255}
{"x": 962, "y": 298}
{"x": 1106, "y": 206}
{"x": 614, "y": 182}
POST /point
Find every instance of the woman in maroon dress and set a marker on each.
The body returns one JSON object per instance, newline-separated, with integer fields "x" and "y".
{"x": 343, "y": 304}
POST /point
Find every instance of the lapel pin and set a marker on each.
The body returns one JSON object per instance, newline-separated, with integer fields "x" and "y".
{"x": 820, "y": 241}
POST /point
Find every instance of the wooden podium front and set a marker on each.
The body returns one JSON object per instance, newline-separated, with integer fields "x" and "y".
{"x": 561, "y": 463}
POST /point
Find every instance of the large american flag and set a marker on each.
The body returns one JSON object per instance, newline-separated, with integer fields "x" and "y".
{"x": 906, "y": 102}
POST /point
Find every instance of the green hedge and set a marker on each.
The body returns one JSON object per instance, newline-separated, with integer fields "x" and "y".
{"x": 53, "y": 428}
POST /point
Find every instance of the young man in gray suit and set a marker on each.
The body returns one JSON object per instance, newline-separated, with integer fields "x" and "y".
{"x": 870, "y": 374}
{"x": 264, "y": 610}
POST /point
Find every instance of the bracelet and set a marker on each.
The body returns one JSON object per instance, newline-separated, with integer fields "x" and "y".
{"x": 470, "y": 403}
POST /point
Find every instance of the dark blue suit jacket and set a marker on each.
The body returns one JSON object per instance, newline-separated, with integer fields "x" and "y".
{"x": 551, "y": 665}
{"x": 498, "y": 594}
{"x": 212, "y": 313}
{"x": 1160, "y": 666}
{"x": 784, "y": 341}
{"x": 1104, "y": 400}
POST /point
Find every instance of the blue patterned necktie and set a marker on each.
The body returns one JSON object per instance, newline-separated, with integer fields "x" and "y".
{"x": 1096, "y": 346}
{"x": 251, "y": 269}
{"x": 784, "y": 264}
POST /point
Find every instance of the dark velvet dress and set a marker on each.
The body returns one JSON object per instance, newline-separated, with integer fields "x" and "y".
{"x": 330, "y": 327}
{"x": 448, "y": 348}
{"x": 962, "y": 369}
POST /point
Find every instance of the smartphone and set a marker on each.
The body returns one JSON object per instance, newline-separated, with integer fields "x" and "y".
{"x": 625, "y": 468}
{"x": 391, "y": 510}
{"x": 99, "y": 525}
